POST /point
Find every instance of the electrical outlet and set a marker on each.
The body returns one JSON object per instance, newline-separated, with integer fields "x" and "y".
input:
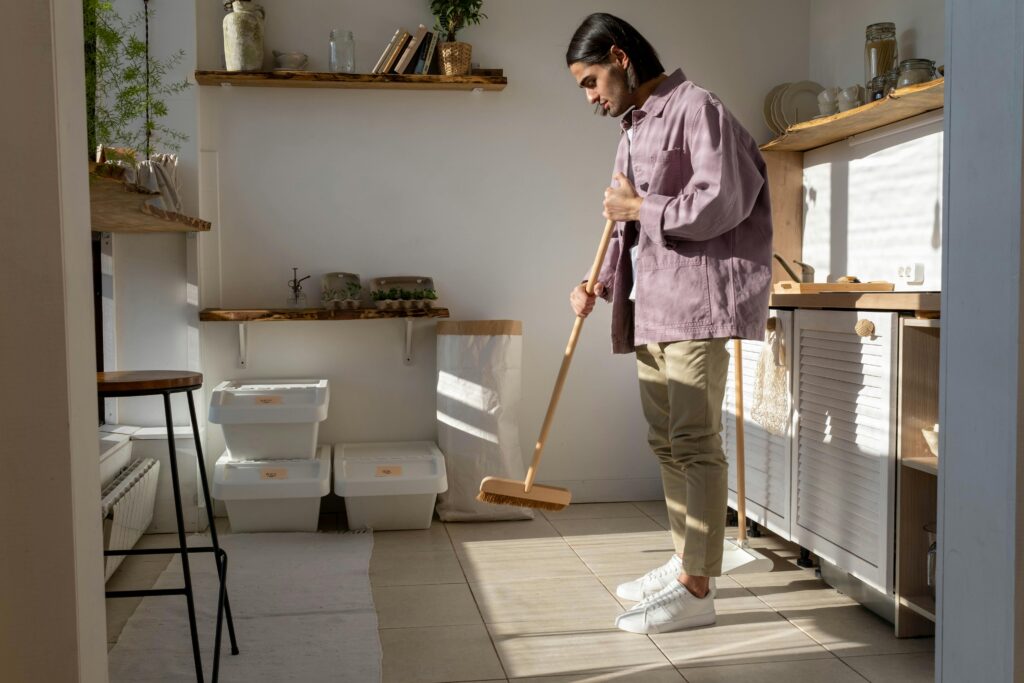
{"x": 911, "y": 273}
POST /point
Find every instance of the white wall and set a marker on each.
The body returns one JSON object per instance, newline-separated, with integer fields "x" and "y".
{"x": 877, "y": 190}
{"x": 52, "y": 619}
{"x": 495, "y": 195}
{"x": 837, "y": 35}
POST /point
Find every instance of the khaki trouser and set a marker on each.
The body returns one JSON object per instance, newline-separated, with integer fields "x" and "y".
{"x": 682, "y": 385}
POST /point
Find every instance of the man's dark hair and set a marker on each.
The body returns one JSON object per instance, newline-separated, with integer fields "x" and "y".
{"x": 593, "y": 40}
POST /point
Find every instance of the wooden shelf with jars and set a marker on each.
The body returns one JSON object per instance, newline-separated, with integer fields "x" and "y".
{"x": 321, "y": 79}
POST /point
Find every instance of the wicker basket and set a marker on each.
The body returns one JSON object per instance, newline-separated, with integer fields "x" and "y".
{"x": 455, "y": 58}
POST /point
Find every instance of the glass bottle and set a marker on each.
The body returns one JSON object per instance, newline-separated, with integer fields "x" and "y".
{"x": 932, "y": 557}
{"x": 877, "y": 89}
{"x": 880, "y": 51}
{"x": 341, "y": 55}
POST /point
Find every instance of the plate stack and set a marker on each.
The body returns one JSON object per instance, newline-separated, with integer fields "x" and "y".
{"x": 790, "y": 103}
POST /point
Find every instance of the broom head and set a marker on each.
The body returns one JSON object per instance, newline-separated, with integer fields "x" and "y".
{"x": 500, "y": 491}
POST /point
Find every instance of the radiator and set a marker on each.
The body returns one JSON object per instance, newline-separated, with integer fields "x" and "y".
{"x": 127, "y": 506}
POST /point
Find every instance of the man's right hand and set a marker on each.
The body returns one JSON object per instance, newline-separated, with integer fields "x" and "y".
{"x": 583, "y": 303}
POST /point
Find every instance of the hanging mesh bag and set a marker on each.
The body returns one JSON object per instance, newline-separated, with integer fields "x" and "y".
{"x": 771, "y": 387}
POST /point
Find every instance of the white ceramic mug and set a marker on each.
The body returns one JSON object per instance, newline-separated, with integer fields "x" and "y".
{"x": 827, "y": 101}
{"x": 850, "y": 97}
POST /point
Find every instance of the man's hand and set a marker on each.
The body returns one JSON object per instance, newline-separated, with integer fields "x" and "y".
{"x": 622, "y": 203}
{"x": 583, "y": 303}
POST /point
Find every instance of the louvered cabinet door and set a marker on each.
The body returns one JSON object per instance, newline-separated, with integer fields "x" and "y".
{"x": 844, "y": 453}
{"x": 767, "y": 455}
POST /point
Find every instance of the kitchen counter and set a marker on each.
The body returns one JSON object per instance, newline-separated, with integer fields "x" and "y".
{"x": 876, "y": 301}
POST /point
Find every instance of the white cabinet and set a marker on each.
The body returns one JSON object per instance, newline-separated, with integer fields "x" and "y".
{"x": 843, "y": 458}
{"x": 767, "y": 455}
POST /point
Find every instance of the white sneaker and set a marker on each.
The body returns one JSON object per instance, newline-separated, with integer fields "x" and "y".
{"x": 652, "y": 582}
{"x": 673, "y": 609}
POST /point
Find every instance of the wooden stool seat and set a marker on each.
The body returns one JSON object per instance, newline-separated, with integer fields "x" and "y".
{"x": 144, "y": 381}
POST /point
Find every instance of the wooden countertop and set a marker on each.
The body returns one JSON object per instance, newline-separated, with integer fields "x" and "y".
{"x": 876, "y": 301}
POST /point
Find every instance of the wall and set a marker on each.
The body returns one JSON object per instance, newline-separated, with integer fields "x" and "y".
{"x": 52, "y": 620}
{"x": 837, "y": 35}
{"x": 883, "y": 187}
{"x": 495, "y": 195}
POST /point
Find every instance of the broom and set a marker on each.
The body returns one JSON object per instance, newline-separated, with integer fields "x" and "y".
{"x": 501, "y": 491}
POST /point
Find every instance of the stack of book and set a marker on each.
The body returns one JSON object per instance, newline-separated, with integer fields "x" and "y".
{"x": 409, "y": 53}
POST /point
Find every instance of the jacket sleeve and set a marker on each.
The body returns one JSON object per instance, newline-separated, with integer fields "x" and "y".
{"x": 720, "y": 194}
{"x": 606, "y": 273}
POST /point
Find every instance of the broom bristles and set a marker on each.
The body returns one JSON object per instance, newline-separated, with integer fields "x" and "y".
{"x": 498, "y": 499}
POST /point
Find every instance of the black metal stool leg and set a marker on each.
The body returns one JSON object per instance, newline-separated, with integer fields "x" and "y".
{"x": 182, "y": 543}
{"x": 221, "y": 568}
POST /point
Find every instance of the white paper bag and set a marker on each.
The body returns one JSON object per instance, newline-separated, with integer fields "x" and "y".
{"x": 479, "y": 365}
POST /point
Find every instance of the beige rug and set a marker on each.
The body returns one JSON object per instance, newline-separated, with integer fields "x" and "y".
{"x": 302, "y": 607}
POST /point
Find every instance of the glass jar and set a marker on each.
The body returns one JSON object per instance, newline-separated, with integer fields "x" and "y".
{"x": 915, "y": 71}
{"x": 341, "y": 52}
{"x": 877, "y": 89}
{"x": 891, "y": 78}
{"x": 880, "y": 51}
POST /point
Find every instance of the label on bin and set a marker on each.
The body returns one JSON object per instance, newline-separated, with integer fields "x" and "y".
{"x": 389, "y": 470}
{"x": 269, "y": 400}
{"x": 273, "y": 473}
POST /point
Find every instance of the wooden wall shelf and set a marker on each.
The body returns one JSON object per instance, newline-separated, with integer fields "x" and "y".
{"x": 114, "y": 208}
{"x": 898, "y": 105}
{"x": 319, "y": 79}
{"x": 924, "y": 463}
{"x": 245, "y": 315}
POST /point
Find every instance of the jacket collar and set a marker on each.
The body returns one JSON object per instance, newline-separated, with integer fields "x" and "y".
{"x": 656, "y": 101}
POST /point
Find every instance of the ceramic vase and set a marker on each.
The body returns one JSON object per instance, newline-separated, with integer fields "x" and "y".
{"x": 243, "y": 37}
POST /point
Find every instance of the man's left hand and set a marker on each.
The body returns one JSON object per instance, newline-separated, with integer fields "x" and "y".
{"x": 622, "y": 203}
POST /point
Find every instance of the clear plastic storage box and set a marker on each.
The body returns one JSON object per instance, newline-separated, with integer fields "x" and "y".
{"x": 391, "y": 485}
{"x": 266, "y": 419}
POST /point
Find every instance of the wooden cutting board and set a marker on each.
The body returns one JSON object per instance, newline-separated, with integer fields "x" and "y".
{"x": 789, "y": 287}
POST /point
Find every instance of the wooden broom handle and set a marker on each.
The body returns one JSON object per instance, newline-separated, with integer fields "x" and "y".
{"x": 741, "y": 484}
{"x": 567, "y": 359}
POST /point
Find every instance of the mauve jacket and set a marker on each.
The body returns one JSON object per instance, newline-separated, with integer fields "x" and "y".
{"x": 705, "y": 231}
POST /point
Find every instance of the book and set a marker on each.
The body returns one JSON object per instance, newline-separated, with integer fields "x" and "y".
{"x": 384, "y": 54}
{"x": 410, "y": 50}
{"x": 428, "y": 56}
{"x": 418, "y": 59}
{"x": 396, "y": 50}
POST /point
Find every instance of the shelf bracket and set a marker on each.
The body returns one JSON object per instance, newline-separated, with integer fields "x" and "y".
{"x": 243, "y": 346}
{"x": 408, "y": 341}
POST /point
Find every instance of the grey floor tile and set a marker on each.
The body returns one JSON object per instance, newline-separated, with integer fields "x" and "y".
{"x": 852, "y": 630}
{"x": 515, "y": 560}
{"x": 639, "y": 674}
{"x": 535, "y": 649}
{"x": 594, "y": 511}
{"x": 438, "y": 654}
{"x": 412, "y": 541}
{"x": 448, "y": 604}
{"x": 468, "y": 532}
{"x": 413, "y": 569}
{"x": 739, "y": 638}
{"x": 572, "y": 598}
{"x": 832, "y": 670}
{"x": 590, "y": 531}
{"x": 918, "y": 667}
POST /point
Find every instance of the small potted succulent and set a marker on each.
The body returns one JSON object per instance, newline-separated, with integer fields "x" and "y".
{"x": 429, "y": 297}
{"x": 451, "y": 16}
{"x": 352, "y": 292}
{"x": 331, "y": 298}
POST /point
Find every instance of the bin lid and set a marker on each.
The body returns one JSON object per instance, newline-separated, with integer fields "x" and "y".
{"x": 269, "y": 401}
{"x": 111, "y": 444}
{"x": 388, "y": 468}
{"x": 272, "y": 479}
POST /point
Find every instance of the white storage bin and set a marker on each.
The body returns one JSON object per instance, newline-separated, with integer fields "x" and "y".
{"x": 278, "y": 495}
{"x": 265, "y": 419}
{"x": 390, "y": 485}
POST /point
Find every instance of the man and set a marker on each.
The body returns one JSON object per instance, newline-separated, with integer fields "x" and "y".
{"x": 688, "y": 268}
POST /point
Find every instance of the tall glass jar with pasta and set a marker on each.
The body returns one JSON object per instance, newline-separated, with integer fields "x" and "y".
{"x": 880, "y": 52}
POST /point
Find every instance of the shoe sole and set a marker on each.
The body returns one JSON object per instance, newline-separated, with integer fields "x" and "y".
{"x": 692, "y": 622}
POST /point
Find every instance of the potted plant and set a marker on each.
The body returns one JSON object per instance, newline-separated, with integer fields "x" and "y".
{"x": 330, "y": 298}
{"x": 451, "y": 16}
{"x": 353, "y": 290}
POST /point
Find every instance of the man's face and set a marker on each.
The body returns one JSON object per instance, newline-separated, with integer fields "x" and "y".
{"x": 605, "y": 85}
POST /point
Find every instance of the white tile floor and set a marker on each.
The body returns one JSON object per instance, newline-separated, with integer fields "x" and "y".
{"x": 533, "y": 601}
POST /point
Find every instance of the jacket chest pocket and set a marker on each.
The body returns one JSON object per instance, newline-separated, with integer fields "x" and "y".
{"x": 666, "y": 172}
